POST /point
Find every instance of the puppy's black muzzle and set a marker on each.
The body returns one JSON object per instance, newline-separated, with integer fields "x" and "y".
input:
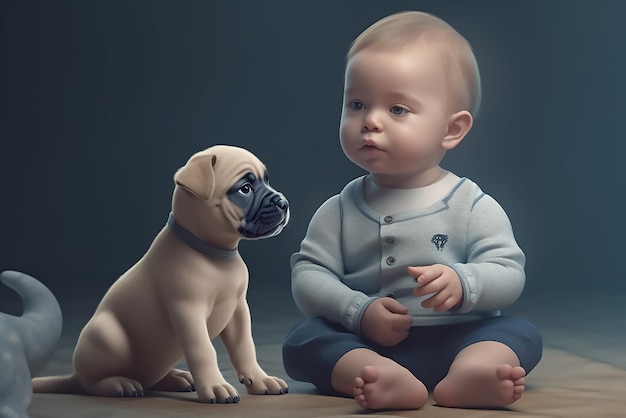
{"x": 266, "y": 210}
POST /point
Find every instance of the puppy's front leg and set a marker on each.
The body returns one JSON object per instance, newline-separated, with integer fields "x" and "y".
{"x": 237, "y": 338}
{"x": 201, "y": 356}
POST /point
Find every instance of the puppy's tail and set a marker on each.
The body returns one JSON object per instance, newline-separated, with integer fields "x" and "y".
{"x": 58, "y": 384}
{"x": 39, "y": 327}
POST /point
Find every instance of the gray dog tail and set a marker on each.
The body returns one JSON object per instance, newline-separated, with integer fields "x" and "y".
{"x": 40, "y": 325}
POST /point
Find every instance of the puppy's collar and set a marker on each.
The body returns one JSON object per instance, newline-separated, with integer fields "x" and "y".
{"x": 196, "y": 243}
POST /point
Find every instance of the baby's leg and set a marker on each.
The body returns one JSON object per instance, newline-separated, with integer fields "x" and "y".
{"x": 377, "y": 382}
{"x": 485, "y": 374}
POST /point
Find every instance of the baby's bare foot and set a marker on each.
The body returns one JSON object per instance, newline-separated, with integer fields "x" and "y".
{"x": 484, "y": 386}
{"x": 388, "y": 388}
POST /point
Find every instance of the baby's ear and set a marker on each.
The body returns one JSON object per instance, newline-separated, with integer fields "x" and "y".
{"x": 197, "y": 176}
{"x": 459, "y": 125}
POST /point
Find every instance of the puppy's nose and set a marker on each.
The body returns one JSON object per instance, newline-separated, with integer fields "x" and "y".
{"x": 280, "y": 202}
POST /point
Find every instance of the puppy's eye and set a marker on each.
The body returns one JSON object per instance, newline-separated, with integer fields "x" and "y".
{"x": 245, "y": 189}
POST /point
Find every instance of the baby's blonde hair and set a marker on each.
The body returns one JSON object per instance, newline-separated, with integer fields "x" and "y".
{"x": 400, "y": 29}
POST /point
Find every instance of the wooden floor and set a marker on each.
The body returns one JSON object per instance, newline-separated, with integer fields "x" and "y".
{"x": 582, "y": 373}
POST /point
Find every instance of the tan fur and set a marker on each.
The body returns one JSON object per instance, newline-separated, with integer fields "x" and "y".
{"x": 174, "y": 300}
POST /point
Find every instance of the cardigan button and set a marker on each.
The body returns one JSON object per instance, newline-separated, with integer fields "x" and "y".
{"x": 388, "y": 219}
{"x": 390, "y": 261}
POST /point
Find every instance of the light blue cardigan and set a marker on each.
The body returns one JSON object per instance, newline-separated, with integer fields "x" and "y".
{"x": 352, "y": 255}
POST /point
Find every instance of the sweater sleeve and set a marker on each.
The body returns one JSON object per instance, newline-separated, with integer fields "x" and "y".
{"x": 316, "y": 272}
{"x": 493, "y": 276}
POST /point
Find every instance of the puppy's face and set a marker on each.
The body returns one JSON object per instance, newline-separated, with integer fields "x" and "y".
{"x": 233, "y": 182}
{"x": 265, "y": 211}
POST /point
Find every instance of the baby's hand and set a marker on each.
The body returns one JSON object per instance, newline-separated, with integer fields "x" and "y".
{"x": 442, "y": 282}
{"x": 386, "y": 322}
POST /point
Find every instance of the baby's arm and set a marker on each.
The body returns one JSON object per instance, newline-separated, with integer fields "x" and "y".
{"x": 491, "y": 279}
{"x": 316, "y": 270}
{"x": 493, "y": 276}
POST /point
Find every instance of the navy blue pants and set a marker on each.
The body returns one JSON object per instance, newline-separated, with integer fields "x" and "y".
{"x": 313, "y": 347}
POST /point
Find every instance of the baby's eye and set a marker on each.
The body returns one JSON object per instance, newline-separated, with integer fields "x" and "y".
{"x": 397, "y": 110}
{"x": 355, "y": 105}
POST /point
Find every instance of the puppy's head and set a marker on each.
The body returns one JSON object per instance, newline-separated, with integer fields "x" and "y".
{"x": 232, "y": 185}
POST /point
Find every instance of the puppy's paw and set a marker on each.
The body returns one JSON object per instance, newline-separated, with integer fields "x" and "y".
{"x": 264, "y": 385}
{"x": 116, "y": 386}
{"x": 223, "y": 393}
{"x": 175, "y": 381}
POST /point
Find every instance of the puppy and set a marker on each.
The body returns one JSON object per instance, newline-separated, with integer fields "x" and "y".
{"x": 188, "y": 288}
{"x": 26, "y": 342}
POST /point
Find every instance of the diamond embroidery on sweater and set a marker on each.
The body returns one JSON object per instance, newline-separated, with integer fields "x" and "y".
{"x": 439, "y": 240}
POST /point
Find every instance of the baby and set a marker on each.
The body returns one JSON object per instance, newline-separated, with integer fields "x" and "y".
{"x": 403, "y": 274}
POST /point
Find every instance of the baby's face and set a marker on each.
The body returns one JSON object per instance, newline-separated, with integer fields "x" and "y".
{"x": 395, "y": 113}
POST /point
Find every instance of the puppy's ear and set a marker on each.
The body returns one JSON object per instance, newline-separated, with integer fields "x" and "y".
{"x": 197, "y": 176}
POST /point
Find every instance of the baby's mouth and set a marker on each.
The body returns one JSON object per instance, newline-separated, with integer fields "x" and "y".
{"x": 370, "y": 147}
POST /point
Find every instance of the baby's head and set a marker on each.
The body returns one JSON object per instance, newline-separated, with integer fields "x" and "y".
{"x": 411, "y": 88}
{"x": 400, "y": 30}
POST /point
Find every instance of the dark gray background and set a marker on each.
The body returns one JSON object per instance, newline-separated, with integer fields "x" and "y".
{"x": 101, "y": 101}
